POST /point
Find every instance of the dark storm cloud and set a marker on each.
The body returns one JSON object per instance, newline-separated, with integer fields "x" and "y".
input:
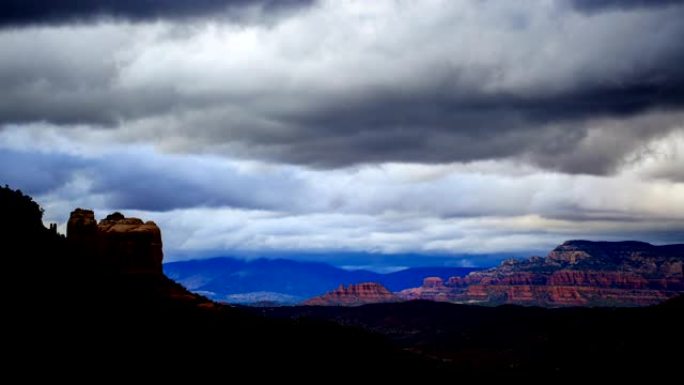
{"x": 139, "y": 179}
{"x": 143, "y": 181}
{"x": 606, "y": 5}
{"x": 437, "y": 128}
{"x": 397, "y": 82}
{"x": 36, "y": 173}
{"x": 32, "y": 12}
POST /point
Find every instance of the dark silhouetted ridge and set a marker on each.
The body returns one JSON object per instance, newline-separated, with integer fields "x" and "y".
{"x": 74, "y": 304}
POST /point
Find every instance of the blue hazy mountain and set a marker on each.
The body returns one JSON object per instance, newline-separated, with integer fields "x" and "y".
{"x": 288, "y": 281}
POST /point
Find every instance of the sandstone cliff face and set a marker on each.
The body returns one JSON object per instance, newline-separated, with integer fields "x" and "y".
{"x": 354, "y": 295}
{"x": 598, "y": 279}
{"x": 82, "y": 231}
{"x": 433, "y": 289}
{"x": 127, "y": 245}
{"x": 576, "y": 273}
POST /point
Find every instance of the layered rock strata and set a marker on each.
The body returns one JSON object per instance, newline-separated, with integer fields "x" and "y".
{"x": 354, "y": 295}
{"x": 576, "y": 273}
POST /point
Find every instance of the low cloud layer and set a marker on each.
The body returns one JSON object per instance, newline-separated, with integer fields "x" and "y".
{"x": 209, "y": 205}
{"x": 17, "y": 13}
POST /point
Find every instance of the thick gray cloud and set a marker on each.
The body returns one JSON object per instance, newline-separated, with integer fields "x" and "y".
{"x": 607, "y": 5}
{"x": 140, "y": 179}
{"x": 32, "y": 12}
{"x": 340, "y": 84}
{"x": 36, "y": 174}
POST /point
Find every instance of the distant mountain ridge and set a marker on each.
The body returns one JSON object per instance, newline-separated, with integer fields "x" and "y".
{"x": 575, "y": 273}
{"x": 233, "y": 280}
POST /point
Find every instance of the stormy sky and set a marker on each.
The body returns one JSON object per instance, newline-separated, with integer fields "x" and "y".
{"x": 384, "y": 127}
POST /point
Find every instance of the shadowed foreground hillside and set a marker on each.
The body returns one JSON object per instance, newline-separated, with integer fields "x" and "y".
{"x": 72, "y": 309}
{"x": 84, "y": 305}
{"x": 519, "y": 340}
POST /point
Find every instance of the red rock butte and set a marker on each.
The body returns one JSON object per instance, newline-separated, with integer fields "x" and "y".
{"x": 354, "y": 295}
{"x": 126, "y": 245}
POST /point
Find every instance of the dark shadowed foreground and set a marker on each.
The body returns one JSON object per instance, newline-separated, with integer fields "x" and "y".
{"x": 84, "y": 306}
{"x": 75, "y": 309}
{"x": 521, "y": 340}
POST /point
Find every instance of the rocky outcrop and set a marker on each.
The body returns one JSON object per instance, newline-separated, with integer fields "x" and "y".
{"x": 433, "y": 289}
{"x": 82, "y": 232}
{"x": 598, "y": 279}
{"x": 433, "y": 282}
{"x": 354, "y": 295}
{"x": 126, "y": 245}
{"x": 576, "y": 273}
